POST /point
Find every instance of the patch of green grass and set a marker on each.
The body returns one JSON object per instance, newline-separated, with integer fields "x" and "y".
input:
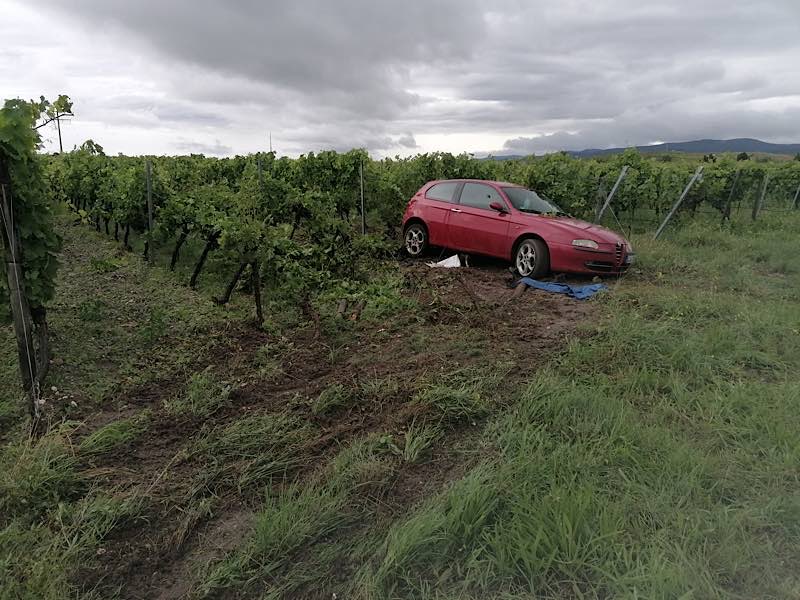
{"x": 104, "y": 265}
{"x": 92, "y": 310}
{"x": 416, "y": 441}
{"x": 300, "y": 516}
{"x": 155, "y": 326}
{"x": 205, "y": 394}
{"x": 465, "y": 395}
{"x": 332, "y": 398}
{"x": 269, "y": 357}
{"x": 379, "y": 389}
{"x": 653, "y": 459}
{"x": 39, "y": 560}
{"x": 112, "y": 436}
{"x": 252, "y": 451}
{"x": 36, "y": 475}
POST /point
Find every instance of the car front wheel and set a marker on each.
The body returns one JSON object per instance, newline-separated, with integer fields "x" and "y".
{"x": 416, "y": 238}
{"x": 532, "y": 258}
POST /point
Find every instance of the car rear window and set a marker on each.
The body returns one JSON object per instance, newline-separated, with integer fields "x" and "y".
{"x": 479, "y": 195}
{"x": 442, "y": 191}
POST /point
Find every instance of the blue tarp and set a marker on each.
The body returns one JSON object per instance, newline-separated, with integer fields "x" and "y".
{"x": 579, "y": 292}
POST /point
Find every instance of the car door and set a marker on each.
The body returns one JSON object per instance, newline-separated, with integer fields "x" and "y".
{"x": 439, "y": 200}
{"x": 475, "y": 227}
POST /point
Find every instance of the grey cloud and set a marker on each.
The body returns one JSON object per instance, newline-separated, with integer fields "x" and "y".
{"x": 354, "y": 73}
{"x": 214, "y": 149}
{"x": 646, "y": 128}
{"x": 407, "y": 141}
{"x": 352, "y": 54}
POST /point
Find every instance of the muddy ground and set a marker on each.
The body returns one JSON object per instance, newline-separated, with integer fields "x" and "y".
{"x": 464, "y": 318}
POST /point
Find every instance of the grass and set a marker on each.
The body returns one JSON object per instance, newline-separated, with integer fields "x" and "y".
{"x": 251, "y": 451}
{"x": 463, "y": 396}
{"x": 109, "y": 321}
{"x": 298, "y": 516}
{"x": 416, "y": 441}
{"x": 112, "y": 436}
{"x": 655, "y": 457}
{"x": 205, "y": 394}
{"x": 332, "y": 398}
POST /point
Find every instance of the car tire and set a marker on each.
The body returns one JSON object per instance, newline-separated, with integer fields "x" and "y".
{"x": 415, "y": 238}
{"x": 532, "y": 258}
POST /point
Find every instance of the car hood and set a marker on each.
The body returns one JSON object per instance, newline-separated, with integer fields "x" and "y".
{"x": 579, "y": 228}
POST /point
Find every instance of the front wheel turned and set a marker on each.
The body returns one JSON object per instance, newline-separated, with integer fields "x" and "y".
{"x": 532, "y": 258}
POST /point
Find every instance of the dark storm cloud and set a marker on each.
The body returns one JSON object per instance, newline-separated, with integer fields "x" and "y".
{"x": 342, "y": 53}
{"x": 544, "y": 75}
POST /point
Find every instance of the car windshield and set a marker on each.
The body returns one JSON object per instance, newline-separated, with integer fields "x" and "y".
{"x": 530, "y": 202}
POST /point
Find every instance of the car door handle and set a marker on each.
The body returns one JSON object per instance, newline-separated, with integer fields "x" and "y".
{"x": 455, "y": 210}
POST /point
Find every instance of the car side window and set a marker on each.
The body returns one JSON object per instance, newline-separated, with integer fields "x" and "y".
{"x": 442, "y": 191}
{"x": 480, "y": 195}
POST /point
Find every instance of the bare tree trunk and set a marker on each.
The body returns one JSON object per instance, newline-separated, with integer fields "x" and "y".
{"x": 211, "y": 243}
{"x": 255, "y": 277}
{"x": 232, "y": 285}
{"x": 105, "y": 222}
{"x": 294, "y": 226}
{"x": 116, "y": 231}
{"x": 125, "y": 239}
{"x": 177, "y": 251}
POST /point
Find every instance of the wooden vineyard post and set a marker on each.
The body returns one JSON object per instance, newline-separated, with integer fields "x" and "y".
{"x": 796, "y": 195}
{"x": 726, "y": 215}
{"x": 677, "y": 205}
{"x": 602, "y": 210}
{"x": 256, "y": 283}
{"x": 363, "y": 216}
{"x": 759, "y": 202}
{"x": 20, "y": 309}
{"x": 148, "y": 249}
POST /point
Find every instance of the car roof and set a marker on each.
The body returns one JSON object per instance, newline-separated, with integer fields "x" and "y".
{"x": 498, "y": 183}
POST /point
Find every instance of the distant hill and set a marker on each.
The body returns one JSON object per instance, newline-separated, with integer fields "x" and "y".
{"x": 737, "y": 145}
{"x": 704, "y": 147}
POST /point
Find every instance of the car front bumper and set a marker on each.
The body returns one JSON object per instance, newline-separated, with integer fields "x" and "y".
{"x": 571, "y": 259}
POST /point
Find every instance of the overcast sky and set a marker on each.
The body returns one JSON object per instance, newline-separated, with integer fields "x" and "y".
{"x": 507, "y": 76}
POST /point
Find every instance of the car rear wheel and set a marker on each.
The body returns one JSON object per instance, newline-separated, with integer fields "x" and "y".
{"x": 532, "y": 258}
{"x": 416, "y": 238}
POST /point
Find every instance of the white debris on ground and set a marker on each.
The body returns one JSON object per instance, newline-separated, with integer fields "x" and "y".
{"x": 448, "y": 263}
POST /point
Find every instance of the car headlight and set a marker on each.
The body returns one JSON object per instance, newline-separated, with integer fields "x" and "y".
{"x": 585, "y": 244}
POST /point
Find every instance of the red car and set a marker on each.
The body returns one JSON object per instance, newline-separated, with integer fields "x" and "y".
{"x": 513, "y": 223}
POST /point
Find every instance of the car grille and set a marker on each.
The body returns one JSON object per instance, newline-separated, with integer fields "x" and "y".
{"x": 618, "y": 254}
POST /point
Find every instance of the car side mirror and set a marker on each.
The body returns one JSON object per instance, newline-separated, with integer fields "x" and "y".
{"x": 498, "y": 207}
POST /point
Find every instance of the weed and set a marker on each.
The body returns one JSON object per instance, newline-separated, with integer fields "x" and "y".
{"x": 112, "y": 436}
{"x": 417, "y": 440}
{"x": 332, "y": 398}
{"x": 380, "y": 389}
{"x": 299, "y": 516}
{"x": 92, "y": 310}
{"x": 268, "y": 358}
{"x": 36, "y": 475}
{"x": 205, "y": 394}
{"x": 103, "y": 265}
{"x": 190, "y": 517}
{"x": 252, "y": 451}
{"x": 156, "y": 325}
